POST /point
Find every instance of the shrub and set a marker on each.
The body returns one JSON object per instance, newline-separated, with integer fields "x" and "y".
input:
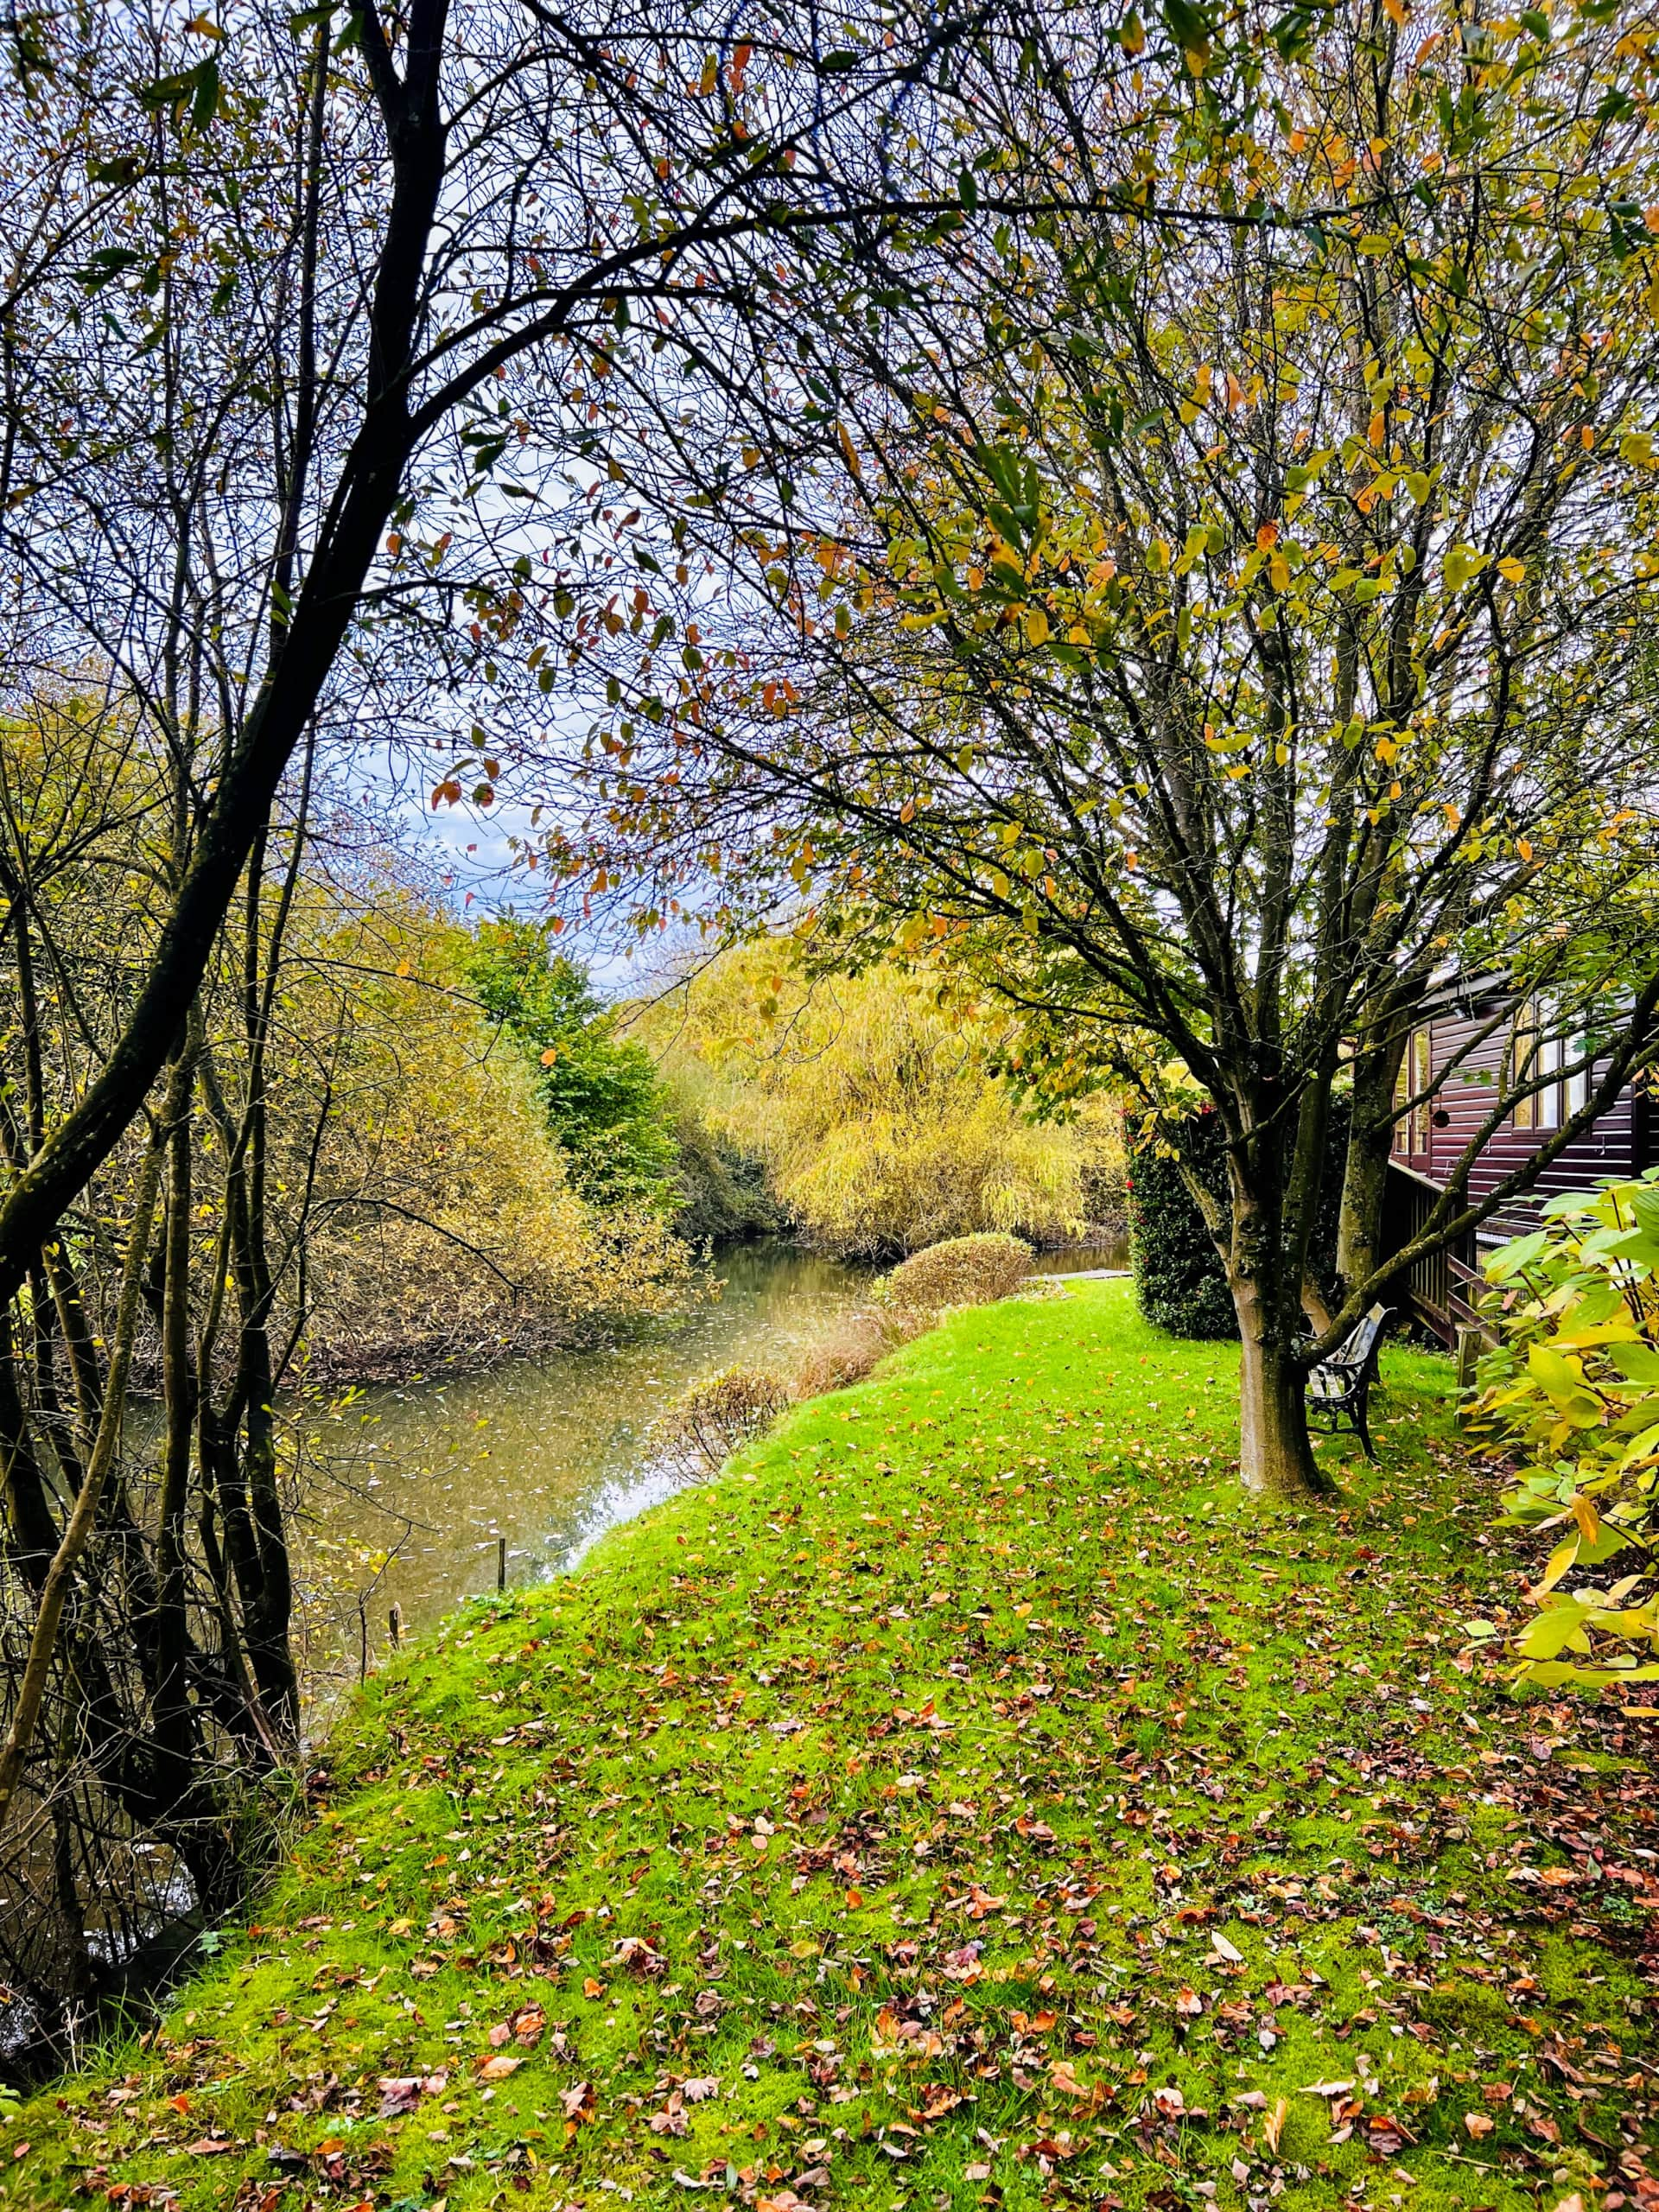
{"x": 1572, "y": 1393}
{"x": 718, "y": 1415}
{"x": 852, "y": 1350}
{"x": 962, "y": 1271}
{"x": 1179, "y": 1280}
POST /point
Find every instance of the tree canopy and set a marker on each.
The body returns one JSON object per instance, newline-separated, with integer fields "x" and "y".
{"x": 1232, "y": 610}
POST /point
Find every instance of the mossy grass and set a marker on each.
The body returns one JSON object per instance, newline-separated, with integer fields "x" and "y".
{"x": 971, "y": 1799}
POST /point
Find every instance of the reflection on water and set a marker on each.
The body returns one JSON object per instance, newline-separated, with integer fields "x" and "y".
{"x": 548, "y": 1454}
{"x": 1107, "y": 1255}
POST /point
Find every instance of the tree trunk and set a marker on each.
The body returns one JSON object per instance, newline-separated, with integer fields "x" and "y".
{"x": 1365, "y": 1171}
{"x": 1275, "y": 1455}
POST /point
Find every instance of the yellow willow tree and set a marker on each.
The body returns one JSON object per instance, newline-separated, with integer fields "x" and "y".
{"x": 1236, "y": 610}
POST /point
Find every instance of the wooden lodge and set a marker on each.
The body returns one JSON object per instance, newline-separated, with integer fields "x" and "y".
{"x": 1444, "y": 1059}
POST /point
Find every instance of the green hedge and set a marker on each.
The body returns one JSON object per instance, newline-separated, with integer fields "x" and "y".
{"x": 1179, "y": 1279}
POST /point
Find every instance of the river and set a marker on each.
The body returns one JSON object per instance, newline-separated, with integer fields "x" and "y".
{"x": 408, "y": 1491}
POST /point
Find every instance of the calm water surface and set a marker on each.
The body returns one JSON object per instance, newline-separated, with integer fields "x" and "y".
{"x": 548, "y": 1454}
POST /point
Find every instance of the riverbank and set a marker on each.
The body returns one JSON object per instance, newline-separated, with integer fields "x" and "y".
{"x": 969, "y": 1800}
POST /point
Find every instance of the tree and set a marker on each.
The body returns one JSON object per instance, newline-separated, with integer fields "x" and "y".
{"x": 878, "y": 1116}
{"x": 1237, "y": 611}
{"x": 281, "y": 296}
{"x": 345, "y": 1177}
{"x": 600, "y": 1092}
{"x": 284, "y": 295}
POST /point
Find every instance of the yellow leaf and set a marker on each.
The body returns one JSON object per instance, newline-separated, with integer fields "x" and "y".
{"x": 848, "y": 448}
{"x": 1560, "y": 1559}
{"x": 1511, "y": 570}
{"x": 1036, "y": 625}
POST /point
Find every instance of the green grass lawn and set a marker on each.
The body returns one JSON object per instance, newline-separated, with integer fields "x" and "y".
{"x": 970, "y": 1800}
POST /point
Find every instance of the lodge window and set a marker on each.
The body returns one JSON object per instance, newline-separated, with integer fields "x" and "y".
{"x": 1531, "y": 1055}
{"x": 1575, "y": 1089}
{"x": 1421, "y": 1060}
{"x": 1414, "y": 1081}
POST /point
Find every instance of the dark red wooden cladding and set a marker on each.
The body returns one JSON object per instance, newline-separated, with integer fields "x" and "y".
{"x": 1450, "y": 1050}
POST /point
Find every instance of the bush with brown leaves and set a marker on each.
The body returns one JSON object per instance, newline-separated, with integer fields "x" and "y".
{"x": 963, "y": 1271}
{"x": 716, "y": 1417}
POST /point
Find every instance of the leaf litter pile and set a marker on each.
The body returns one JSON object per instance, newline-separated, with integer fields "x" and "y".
{"x": 971, "y": 1799}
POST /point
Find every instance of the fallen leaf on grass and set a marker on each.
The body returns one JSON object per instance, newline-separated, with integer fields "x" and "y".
{"x": 209, "y": 2147}
{"x": 1477, "y": 2124}
{"x": 403, "y": 2092}
{"x": 497, "y": 2069}
{"x": 1273, "y": 2126}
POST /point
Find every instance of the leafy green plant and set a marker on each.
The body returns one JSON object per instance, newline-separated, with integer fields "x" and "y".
{"x": 600, "y": 1093}
{"x": 1178, "y": 1276}
{"x": 1572, "y": 1392}
{"x": 1180, "y": 1282}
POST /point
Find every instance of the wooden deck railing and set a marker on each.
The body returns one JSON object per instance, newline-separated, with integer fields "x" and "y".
{"x": 1441, "y": 1288}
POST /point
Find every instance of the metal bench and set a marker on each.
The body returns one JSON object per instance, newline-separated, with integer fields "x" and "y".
{"x": 1339, "y": 1389}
